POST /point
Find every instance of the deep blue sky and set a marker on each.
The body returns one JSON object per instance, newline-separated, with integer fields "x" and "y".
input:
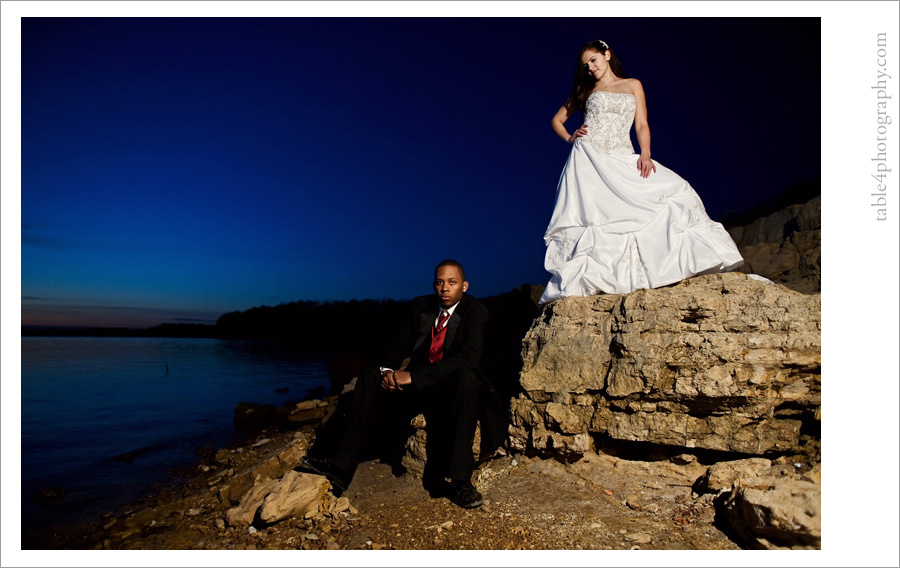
{"x": 176, "y": 169}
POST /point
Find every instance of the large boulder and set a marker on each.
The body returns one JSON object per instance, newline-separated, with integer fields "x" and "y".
{"x": 719, "y": 362}
{"x": 769, "y": 505}
{"x": 777, "y": 511}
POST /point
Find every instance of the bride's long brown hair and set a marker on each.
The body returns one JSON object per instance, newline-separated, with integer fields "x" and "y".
{"x": 584, "y": 83}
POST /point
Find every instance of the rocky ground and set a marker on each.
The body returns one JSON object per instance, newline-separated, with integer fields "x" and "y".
{"x": 686, "y": 417}
{"x": 600, "y": 502}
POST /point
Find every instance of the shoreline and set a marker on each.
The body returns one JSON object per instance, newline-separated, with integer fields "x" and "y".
{"x": 601, "y": 502}
{"x": 173, "y": 479}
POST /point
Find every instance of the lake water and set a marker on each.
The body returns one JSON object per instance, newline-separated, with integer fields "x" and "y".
{"x": 86, "y": 401}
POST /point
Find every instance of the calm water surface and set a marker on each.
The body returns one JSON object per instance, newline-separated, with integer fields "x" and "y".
{"x": 88, "y": 401}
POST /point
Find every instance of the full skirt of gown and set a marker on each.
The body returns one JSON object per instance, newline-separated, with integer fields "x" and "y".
{"x": 614, "y": 232}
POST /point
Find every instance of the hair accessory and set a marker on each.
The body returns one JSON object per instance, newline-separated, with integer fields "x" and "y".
{"x": 605, "y": 45}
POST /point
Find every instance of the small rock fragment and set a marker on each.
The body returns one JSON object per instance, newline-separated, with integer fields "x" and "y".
{"x": 639, "y": 538}
{"x": 683, "y": 459}
{"x": 342, "y": 504}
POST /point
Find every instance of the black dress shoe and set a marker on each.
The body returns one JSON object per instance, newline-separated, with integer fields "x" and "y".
{"x": 465, "y": 495}
{"x": 339, "y": 478}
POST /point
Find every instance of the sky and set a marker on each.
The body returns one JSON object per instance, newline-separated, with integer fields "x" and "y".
{"x": 174, "y": 169}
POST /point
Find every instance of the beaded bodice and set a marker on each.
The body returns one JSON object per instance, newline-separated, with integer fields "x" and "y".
{"x": 609, "y": 117}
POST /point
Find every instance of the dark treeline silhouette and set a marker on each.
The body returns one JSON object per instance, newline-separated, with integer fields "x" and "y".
{"x": 797, "y": 193}
{"x": 311, "y": 325}
{"x": 354, "y": 333}
{"x": 356, "y": 329}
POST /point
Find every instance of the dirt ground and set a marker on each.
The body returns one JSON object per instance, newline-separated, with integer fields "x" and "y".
{"x": 601, "y": 502}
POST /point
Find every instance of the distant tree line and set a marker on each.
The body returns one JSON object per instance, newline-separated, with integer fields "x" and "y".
{"x": 353, "y": 333}
{"x": 360, "y": 326}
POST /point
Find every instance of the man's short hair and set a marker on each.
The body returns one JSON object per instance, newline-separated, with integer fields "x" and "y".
{"x": 451, "y": 262}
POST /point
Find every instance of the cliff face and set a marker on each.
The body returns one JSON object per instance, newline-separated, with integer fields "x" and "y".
{"x": 785, "y": 246}
{"x": 719, "y": 362}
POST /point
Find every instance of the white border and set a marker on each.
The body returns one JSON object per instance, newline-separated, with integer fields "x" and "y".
{"x": 860, "y": 288}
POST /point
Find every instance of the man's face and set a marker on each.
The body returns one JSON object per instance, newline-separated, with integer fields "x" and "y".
{"x": 449, "y": 285}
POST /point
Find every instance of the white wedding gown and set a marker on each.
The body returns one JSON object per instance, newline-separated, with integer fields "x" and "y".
{"x": 613, "y": 231}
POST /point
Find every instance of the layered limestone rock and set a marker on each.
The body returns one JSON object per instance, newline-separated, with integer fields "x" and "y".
{"x": 718, "y": 362}
{"x": 785, "y": 246}
{"x": 770, "y": 505}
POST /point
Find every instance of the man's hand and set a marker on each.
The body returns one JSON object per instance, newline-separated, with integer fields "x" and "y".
{"x": 394, "y": 380}
{"x": 402, "y": 378}
{"x": 387, "y": 380}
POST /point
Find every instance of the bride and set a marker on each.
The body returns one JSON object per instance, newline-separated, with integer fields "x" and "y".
{"x": 622, "y": 221}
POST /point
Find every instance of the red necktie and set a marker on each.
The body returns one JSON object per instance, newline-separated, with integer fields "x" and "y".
{"x": 438, "y": 332}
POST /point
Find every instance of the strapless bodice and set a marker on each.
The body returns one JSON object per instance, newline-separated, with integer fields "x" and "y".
{"x": 609, "y": 117}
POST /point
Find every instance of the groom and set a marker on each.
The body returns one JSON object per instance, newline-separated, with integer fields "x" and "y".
{"x": 434, "y": 367}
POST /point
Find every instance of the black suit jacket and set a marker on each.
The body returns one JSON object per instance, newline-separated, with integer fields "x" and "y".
{"x": 463, "y": 344}
{"x": 463, "y": 349}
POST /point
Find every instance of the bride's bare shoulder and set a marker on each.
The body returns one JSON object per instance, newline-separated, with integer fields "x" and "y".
{"x": 634, "y": 86}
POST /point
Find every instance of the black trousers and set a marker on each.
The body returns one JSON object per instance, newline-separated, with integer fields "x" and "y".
{"x": 376, "y": 419}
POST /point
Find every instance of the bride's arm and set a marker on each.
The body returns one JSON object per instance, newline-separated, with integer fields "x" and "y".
{"x": 559, "y": 120}
{"x": 642, "y": 129}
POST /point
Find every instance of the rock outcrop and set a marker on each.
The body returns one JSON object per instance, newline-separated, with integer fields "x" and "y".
{"x": 720, "y": 362}
{"x": 785, "y": 246}
{"x": 771, "y": 505}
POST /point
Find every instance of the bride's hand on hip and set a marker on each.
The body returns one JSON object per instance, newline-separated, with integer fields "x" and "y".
{"x": 645, "y": 165}
{"x": 578, "y": 134}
